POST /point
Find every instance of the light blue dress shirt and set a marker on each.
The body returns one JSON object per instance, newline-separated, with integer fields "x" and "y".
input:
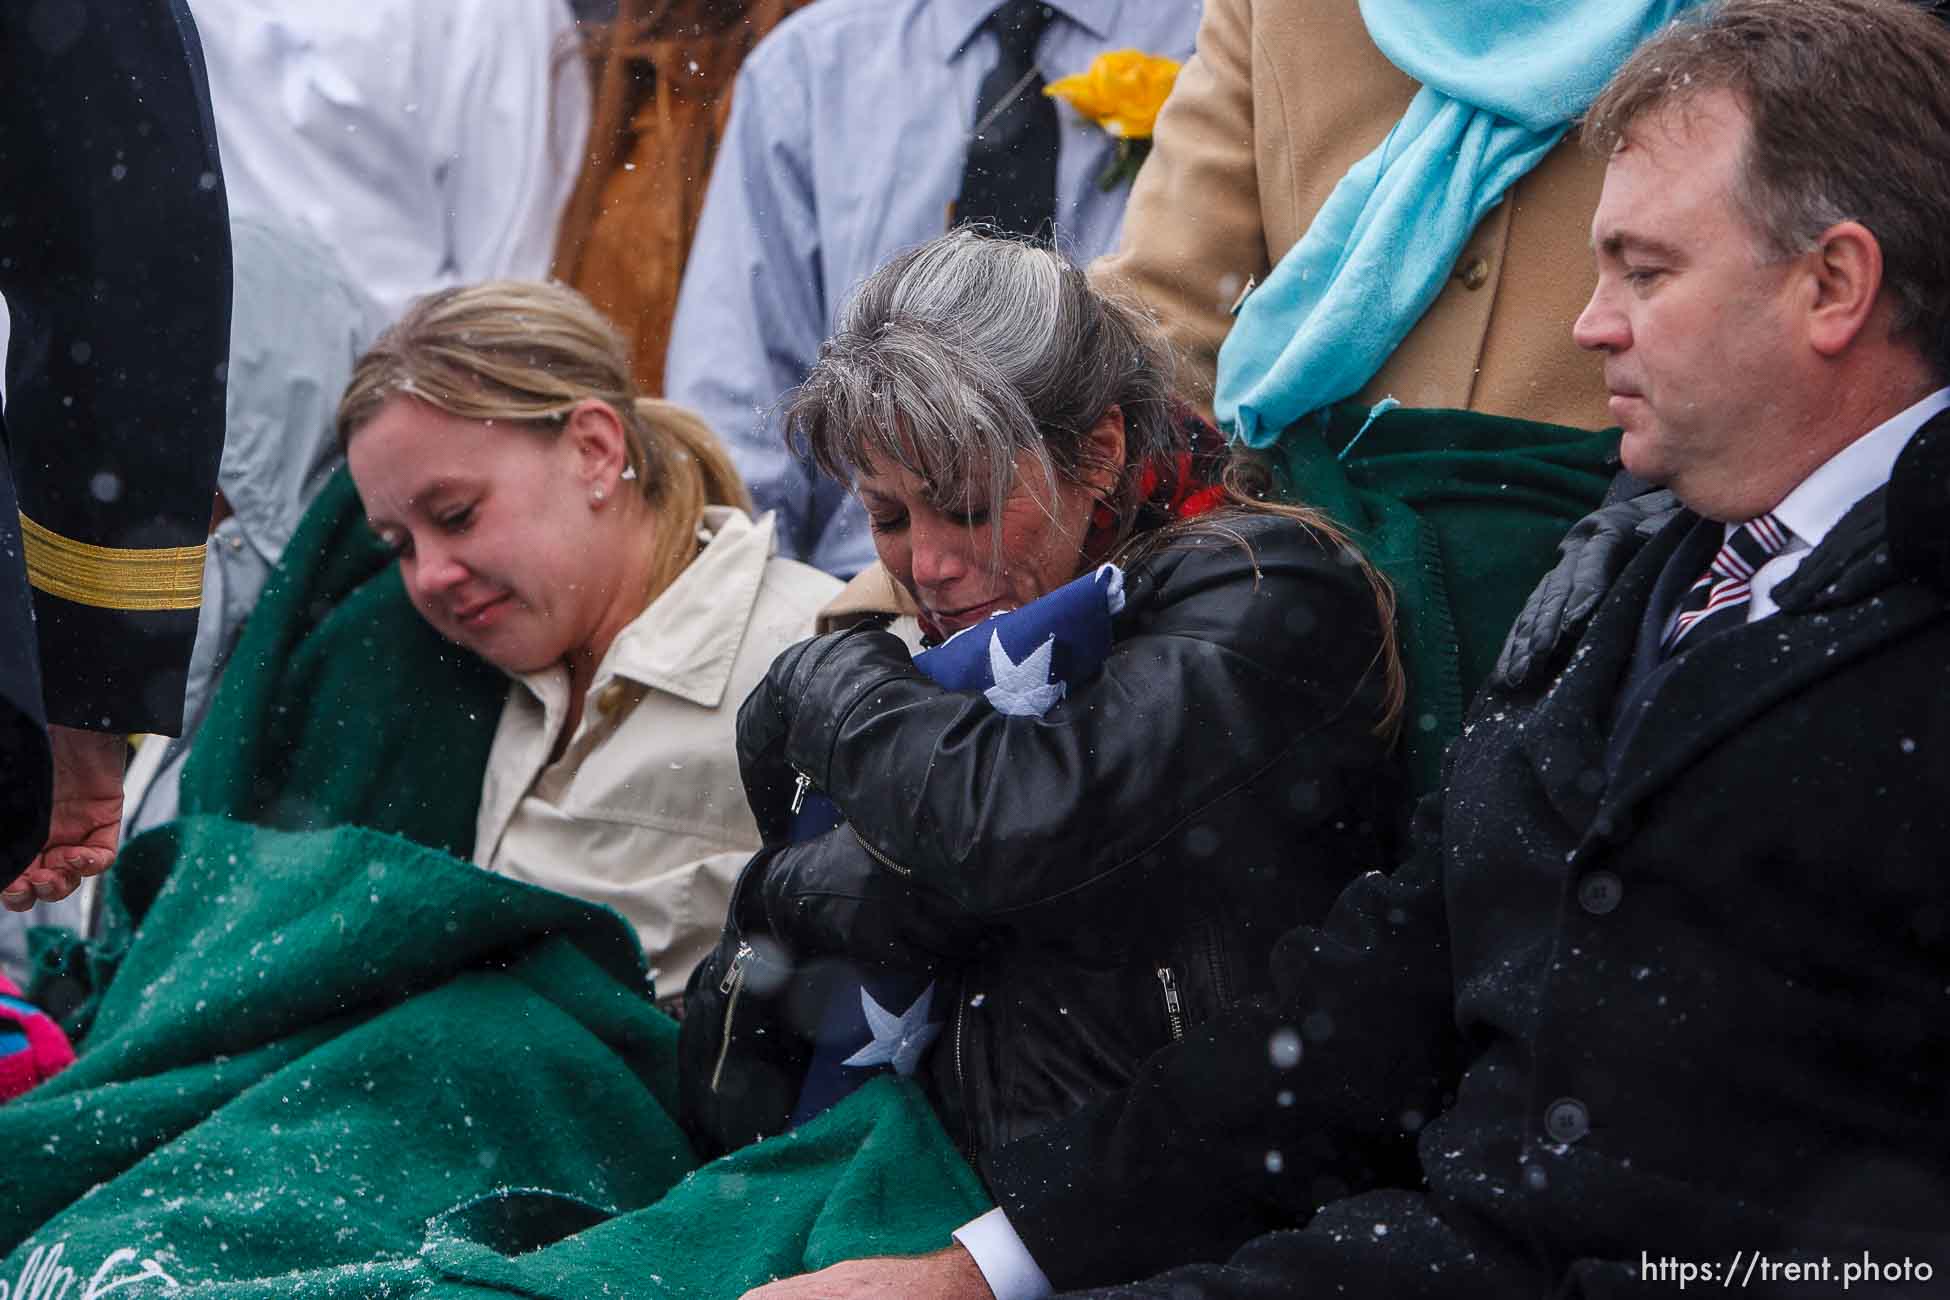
{"x": 849, "y": 126}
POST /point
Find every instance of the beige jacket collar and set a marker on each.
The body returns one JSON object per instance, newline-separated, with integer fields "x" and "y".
{"x": 685, "y": 641}
{"x": 873, "y": 592}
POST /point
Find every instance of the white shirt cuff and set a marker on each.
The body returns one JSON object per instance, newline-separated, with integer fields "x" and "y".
{"x": 1006, "y": 1263}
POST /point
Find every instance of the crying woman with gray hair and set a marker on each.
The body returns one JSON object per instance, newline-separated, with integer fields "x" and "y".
{"x": 1091, "y": 882}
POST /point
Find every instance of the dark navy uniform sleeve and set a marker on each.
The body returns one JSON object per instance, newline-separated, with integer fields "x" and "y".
{"x": 115, "y": 264}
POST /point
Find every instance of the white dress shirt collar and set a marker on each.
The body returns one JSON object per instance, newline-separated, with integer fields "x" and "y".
{"x": 1858, "y": 469}
{"x": 1813, "y": 509}
{"x": 957, "y": 21}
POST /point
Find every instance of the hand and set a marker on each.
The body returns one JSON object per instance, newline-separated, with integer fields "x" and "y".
{"x": 764, "y": 720}
{"x": 87, "y": 818}
{"x": 1593, "y": 554}
{"x": 772, "y": 722}
{"x": 945, "y": 1275}
{"x": 764, "y": 726}
{"x": 828, "y": 895}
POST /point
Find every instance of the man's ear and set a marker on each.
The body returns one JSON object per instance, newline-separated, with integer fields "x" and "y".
{"x": 1847, "y": 267}
{"x": 1103, "y": 451}
{"x": 595, "y": 436}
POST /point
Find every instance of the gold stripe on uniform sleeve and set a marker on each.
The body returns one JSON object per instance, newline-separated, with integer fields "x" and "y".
{"x": 167, "y": 577}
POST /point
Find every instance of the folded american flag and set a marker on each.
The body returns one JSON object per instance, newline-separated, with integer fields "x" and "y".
{"x": 1023, "y": 661}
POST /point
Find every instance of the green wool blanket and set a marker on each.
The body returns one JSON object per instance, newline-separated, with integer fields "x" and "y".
{"x": 323, "y": 1059}
{"x": 1463, "y": 514}
{"x": 340, "y": 705}
{"x": 340, "y": 1064}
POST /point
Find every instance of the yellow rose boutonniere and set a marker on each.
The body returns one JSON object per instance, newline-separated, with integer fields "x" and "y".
{"x": 1120, "y": 91}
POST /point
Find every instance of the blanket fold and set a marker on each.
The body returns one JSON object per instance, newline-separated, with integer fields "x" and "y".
{"x": 1463, "y": 513}
{"x": 339, "y": 1063}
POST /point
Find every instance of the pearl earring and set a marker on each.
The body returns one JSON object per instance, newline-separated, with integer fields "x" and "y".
{"x": 595, "y": 498}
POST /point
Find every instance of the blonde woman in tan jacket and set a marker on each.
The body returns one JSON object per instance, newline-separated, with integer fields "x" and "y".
{"x": 598, "y": 548}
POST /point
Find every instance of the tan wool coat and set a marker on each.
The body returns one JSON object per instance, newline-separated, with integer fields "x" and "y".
{"x": 1280, "y": 99}
{"x": 645, "y": 810}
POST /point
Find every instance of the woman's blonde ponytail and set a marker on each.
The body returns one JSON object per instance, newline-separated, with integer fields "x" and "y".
{"x": 686, "y": 469}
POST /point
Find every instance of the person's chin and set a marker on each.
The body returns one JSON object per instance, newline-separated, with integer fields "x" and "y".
{"x": 1638, "y": 451}
{"x": 515, "y": 658}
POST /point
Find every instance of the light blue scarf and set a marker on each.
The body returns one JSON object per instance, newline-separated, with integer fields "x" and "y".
{"x": 1502, "y": 81}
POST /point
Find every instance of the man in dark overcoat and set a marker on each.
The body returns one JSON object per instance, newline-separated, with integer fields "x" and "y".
{"x": 115, "y": 267}
{"x": 1663, "y": 998}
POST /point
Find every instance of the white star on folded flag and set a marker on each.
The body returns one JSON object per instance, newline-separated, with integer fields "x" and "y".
{"x": 900, "y": 1040}
{"x": 1022, "y": 690}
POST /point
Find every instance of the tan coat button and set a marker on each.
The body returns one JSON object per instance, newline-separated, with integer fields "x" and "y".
{"x": 611, "y": 697}
{"x": 1475, "y": 273}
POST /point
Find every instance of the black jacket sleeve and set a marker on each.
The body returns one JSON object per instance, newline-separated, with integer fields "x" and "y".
{"x": 829, "y": 896}
{"x": 115, "y": 264}
{"x": 1226, "y": 658}
{"x": 1276, "y": 1106}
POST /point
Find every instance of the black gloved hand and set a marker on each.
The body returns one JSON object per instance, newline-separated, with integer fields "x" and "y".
{"x": 765, "y": 725}
{"x": 1592, "y": 555}
{"x": 764, "y": 721}
{"x": 829, "y": 896}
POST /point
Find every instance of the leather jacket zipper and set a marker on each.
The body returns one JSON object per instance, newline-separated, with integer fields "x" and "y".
{"x": 733, "y": 983}
{"x": 961, "y": 1079}
{"x": 1174, "y": 1009}
{"x": 961, "y": 1006}
{"x": 803, "y": 786}
{"x": 880, "y": 857}
{"x": 1215, "y": 957}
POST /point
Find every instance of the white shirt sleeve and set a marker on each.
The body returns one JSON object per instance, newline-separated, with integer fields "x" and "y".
{"x": 1006, "y": 1263}
{"x": 514, "y": 125}
{"x": 752, "y": 309}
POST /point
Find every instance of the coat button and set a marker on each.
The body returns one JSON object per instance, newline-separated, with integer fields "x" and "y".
{"x": 1566, "y": 1120}
{"x": 1475, "y": 273}
{"x": 1600, "y": 892}
{"x": 610, "y": 698}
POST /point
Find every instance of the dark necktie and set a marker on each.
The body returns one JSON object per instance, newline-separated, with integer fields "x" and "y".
{"x": 1719, "y": 599}
{"x": 1009, "y": 180}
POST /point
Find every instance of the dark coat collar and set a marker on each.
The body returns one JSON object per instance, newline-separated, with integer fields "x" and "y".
{"x": 1919, "y": 505}
{"x": 1565, "y": 739}
{"x": 1844, "y": 601}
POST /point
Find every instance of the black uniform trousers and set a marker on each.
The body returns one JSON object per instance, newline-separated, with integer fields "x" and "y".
{"x": 115, "y": 266}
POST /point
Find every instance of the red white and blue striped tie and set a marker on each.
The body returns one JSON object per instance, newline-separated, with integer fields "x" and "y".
{"x": 1719, "y": 599}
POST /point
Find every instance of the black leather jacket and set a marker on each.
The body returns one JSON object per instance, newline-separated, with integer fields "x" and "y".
{"x": 1088, "y": 884}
